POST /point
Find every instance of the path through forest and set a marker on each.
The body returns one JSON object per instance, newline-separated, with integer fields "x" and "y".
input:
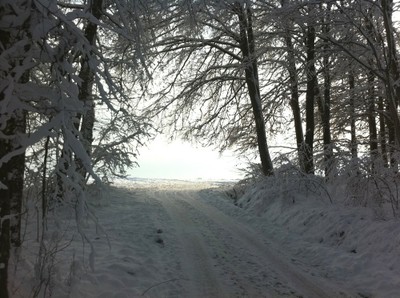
{"x": 220, "y": 257}
{"x": 167, "y": 239}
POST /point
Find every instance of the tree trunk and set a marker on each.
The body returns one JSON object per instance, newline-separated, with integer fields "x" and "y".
{"x": 382, "y": 132}
{"x": 326, "y": 105}
{"x": 17, "y": 186}
{"x": 373, "y": 134}
{"x": 353, "y": 135}
{"x": 86, "y": 89}
{"x": 310, "y": 99}
{"x": 392, "y": 139}
{"x": 294, "y": 99}
{"x": 392, "y": 77}
{"x": 11, "y": 190}
{"x": 247, "y": 46}
{"x": 5, "y": 198}
{"x": 370, "y": 100}
{"x": 13, "y": 125}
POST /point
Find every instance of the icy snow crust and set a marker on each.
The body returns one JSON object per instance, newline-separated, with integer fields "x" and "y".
{"x": 161, "y": 238}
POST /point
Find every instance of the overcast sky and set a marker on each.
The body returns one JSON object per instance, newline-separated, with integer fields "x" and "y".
{"x": 181, "y": 160}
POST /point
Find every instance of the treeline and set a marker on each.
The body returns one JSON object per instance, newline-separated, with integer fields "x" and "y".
{"x": 82, "y": 80}
{"x": 237, "y": 67}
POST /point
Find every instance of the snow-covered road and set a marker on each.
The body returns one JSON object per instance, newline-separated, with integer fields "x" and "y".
{"x": 170, "y": 239}
{"x": 222, "y": 258}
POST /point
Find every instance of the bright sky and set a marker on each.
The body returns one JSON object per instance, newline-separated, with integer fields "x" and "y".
{"x": 182, "y": 160}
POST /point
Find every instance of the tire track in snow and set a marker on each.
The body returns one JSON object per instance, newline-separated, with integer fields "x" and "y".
{"x": 216, "y": 267}
{"x": 223, "y": 258}
{"x": 197, "y": 263}
{"x": 238, "y": 271}
{"x": 266, "y": 255}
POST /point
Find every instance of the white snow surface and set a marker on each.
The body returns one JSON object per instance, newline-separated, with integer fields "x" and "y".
{"x": 162, "y": 238}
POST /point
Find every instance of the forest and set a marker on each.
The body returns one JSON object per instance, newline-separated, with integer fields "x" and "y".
{"x": 85, "y": 83}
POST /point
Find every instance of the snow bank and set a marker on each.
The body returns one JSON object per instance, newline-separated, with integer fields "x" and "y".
{"x": 118, "y": 254}
{"x": 135, "y": 245}
{"x": 350, "y": 244}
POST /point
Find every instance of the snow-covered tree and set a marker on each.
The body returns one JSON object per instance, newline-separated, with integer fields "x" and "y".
{"x": 53, "y": 72}
{"x": 207, "y": 52}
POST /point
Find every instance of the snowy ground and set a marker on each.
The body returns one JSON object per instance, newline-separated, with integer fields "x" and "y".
{"x": 187, "y": 239}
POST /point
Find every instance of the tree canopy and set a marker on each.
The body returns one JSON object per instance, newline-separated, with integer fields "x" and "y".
{"x": 83, "y": 84}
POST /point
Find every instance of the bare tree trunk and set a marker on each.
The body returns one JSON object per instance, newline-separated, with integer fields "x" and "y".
{"x": 353, "y": 140}
{"x": 310, "y": 99}
{"x": 4, "y": 233}
{"x": 86, "y": 88}
{"x": 326, "y": 105}
{"x": 382, "y": 132}
{"x": 247, "y": 46}
{"x": 13, "y": 125}
{"x": 16, "y": 188}
{"x": 392, "y": 139}
{"x": 392, "y": 77}
{"x": 294, "y": 99}
{"x": 370, "y": 100}
{"x": 373, "y": 134}
{"x": 5, "y": 211}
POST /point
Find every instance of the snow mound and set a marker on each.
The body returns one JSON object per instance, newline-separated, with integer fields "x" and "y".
{"x": 350, "y": 244}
